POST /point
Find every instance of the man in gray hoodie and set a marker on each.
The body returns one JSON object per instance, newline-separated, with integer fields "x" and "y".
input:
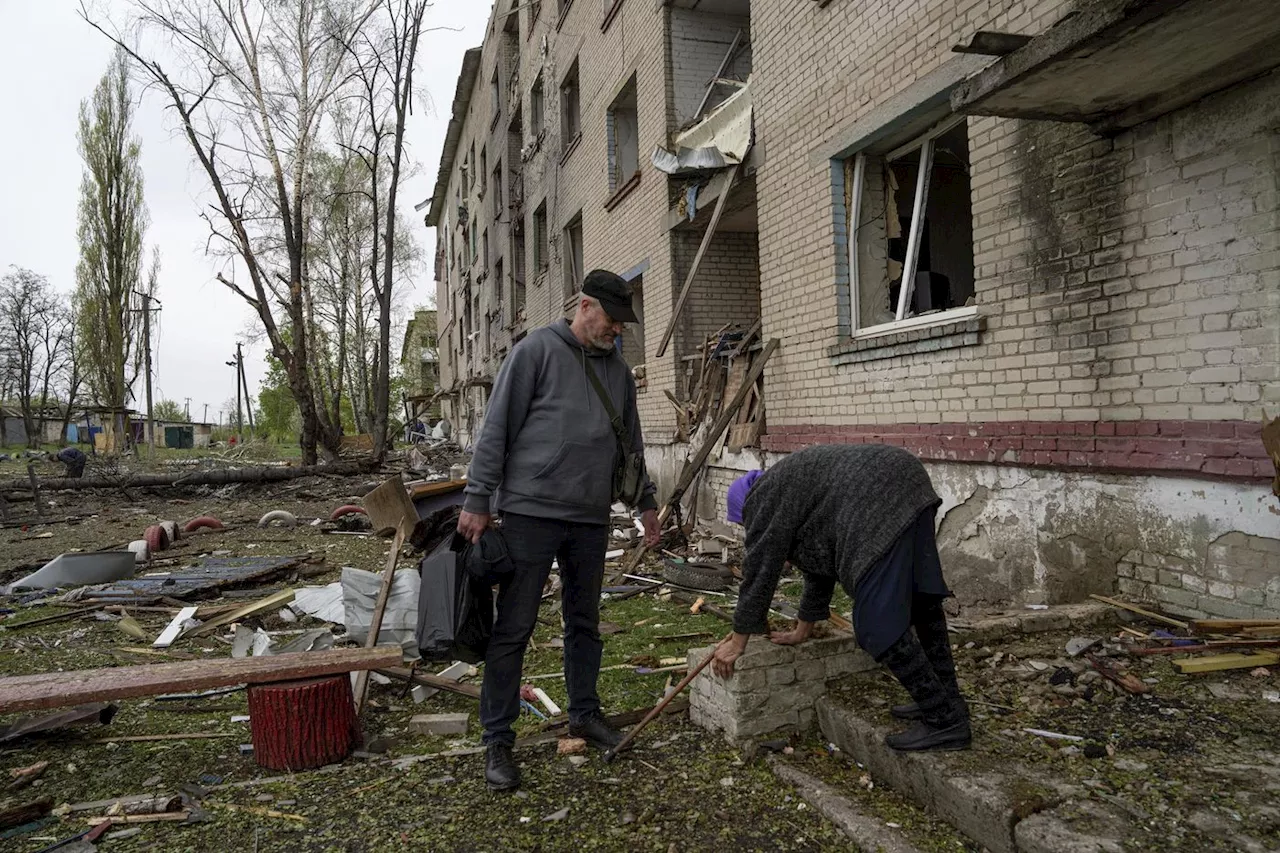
{"x": 545, "y": 460}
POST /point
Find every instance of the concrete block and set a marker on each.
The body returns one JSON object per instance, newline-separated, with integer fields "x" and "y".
{"x": 1049, "y": 832}
{"x": 439, "y": 724}
{"x": 811, "y": 670}
{"x": 858, "y": 661}
{"x": 1045, "y": 620}
{"x": 762, "y": 653}
{"x": 781, "y": 675}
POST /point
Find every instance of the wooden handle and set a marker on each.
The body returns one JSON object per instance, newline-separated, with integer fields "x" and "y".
{"x": 657, "y": 709}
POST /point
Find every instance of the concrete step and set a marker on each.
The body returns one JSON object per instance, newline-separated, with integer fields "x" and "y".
{"x": 1016, "y": 810}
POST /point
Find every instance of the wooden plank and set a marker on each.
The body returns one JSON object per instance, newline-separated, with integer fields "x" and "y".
{"x": 389, "y": 508}
{"x": 1133, "y": 608}
{"x": 379, "y": 608}
{"x": 271, "y": 602}
{"x": 429, "y": 680}
{"x": 1216, "y": 663}
{"x": 444, "y": 487}
{"x": 1226, "y": 626}
{"x": 76, "y": 687}
{"x": 697, "y": 260}
{"x": 695, "y": 463}
{"x": 170, "y": 633}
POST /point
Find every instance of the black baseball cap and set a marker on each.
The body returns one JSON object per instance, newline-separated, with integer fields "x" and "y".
{"x": 614, "y": 294}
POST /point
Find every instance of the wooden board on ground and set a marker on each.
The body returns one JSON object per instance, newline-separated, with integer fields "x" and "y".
{"x": 170, "y": 633}
{"x": 1216, "y": 663}
{"x": 76, "y": 687}
{"x": 389, "y": 508}
{"x": 444, "y": 487}
{"x": 262, "y": 605}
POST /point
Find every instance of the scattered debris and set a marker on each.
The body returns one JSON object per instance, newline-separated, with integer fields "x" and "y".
{"x": 1047, "y": 735}
{"x": 97, "y": 712}
{"x": 1078, "y": 645}
{"x": 570, "y": 746}
{"x": 439, "y": 724}
{"x": 79, "y": 569}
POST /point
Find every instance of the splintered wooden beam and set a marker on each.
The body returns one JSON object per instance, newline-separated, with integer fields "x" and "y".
{"x": 1133, "y": 608}
{"x": 59, "y": 689}
{"x": 1227, "y": 626}
{"x": 271, "y": 602}
{"x": 1215, "y": 663}
{"x": 697, "y": 260}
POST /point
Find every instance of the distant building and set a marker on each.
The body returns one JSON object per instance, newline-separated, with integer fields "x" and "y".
{"x": 420, "y": 362}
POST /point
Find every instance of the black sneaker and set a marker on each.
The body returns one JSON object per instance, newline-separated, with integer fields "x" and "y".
{"x": 500, "y": 769}
{"x": 923, "y": 737}
{"x": 596, "y": 731}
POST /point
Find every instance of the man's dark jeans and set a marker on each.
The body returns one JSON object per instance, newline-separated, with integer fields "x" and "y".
{"x": 533, "y": 543}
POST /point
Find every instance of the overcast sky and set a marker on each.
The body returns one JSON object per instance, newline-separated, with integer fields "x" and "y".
{"x": 50, "y": 60}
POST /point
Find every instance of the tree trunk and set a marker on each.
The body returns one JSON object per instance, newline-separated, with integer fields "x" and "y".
{"x": 299, "y": 725}
{"x": 216, "y": 477}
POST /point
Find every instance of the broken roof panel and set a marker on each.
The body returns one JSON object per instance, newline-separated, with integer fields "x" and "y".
{"x": 721, "y": 139}
{"x": 207, "y": 574}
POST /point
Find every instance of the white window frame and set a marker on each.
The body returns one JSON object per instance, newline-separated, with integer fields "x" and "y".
{"x": 925, "y": 143}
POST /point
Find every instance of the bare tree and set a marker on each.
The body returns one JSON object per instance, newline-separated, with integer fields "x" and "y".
{"x": 250, "y": 92}
{"x": 384, "y": 57}
{"x": 112, "y": 222}
{"x": 36, "y": 345}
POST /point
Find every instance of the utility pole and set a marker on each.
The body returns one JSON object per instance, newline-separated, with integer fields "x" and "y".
{"x": 187, "y": 413}
{"x": 146, "y": 343}
{"x": 205, "y": 418}
{"x": 248, "y": 398}
{"x": 235, "y": 362}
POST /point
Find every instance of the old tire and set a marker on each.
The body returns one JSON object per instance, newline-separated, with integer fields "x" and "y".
{"x": 157, "y": 538}
{"x": 346, "y": 509}
{"x": 286, "y": 519}
{"x": 203, "y": 522}
{"x": 141, "y": 551}
{"x": 693, "y": 576}
{"x": 171, "y": 527}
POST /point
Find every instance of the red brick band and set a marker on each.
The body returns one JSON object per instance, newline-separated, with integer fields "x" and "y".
{"x": 1230, "y": 449}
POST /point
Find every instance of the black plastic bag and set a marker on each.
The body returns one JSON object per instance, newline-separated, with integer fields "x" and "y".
{"x": 455, "y": 609}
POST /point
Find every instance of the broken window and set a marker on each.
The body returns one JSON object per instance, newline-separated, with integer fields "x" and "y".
{"x": 484, "y": 243}
{"x": 540, "y": 248}
{"x": 624, "y": 137}
{"x": 633, "y": 333}
{"x": 517, "y": 271}
{"x": 498, "y": 285}
{"x": 495, "y": 95}
{"x": 484, "y": 171}
{"x": 471, "y": 168}
{"x": 535, "y": 9}
{"x": 497, "y": 191}
{"x": 911, "y": 219}
{"x": 572, "y": 256}
{"x": 537, "y": 107}
{"x": 570, "y": 118}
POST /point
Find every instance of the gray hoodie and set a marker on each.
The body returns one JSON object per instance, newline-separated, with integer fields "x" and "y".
{"x": 546, "y": 448}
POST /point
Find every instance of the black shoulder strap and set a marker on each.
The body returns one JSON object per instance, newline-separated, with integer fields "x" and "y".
{"x": 619, "y": 430}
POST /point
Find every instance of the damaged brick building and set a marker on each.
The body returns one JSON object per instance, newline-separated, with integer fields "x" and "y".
{"x": 1084, "y": 201}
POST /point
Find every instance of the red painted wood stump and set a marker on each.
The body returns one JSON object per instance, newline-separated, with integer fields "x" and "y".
{"x": 299, "y": 725}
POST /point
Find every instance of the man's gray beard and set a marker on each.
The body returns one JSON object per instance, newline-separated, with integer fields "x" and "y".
{"x": 598, "y": 347}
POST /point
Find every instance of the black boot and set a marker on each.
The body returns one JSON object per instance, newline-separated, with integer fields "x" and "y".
{"x": 500, "y": 769}
{"x": 944, "y": 721}
{"x": 930, "y": 622}
{"x": 596, "y": 731}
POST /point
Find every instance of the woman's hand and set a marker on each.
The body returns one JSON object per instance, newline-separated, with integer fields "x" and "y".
{"x": 727, "y": 653}
{"x": 795, "y": 636}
